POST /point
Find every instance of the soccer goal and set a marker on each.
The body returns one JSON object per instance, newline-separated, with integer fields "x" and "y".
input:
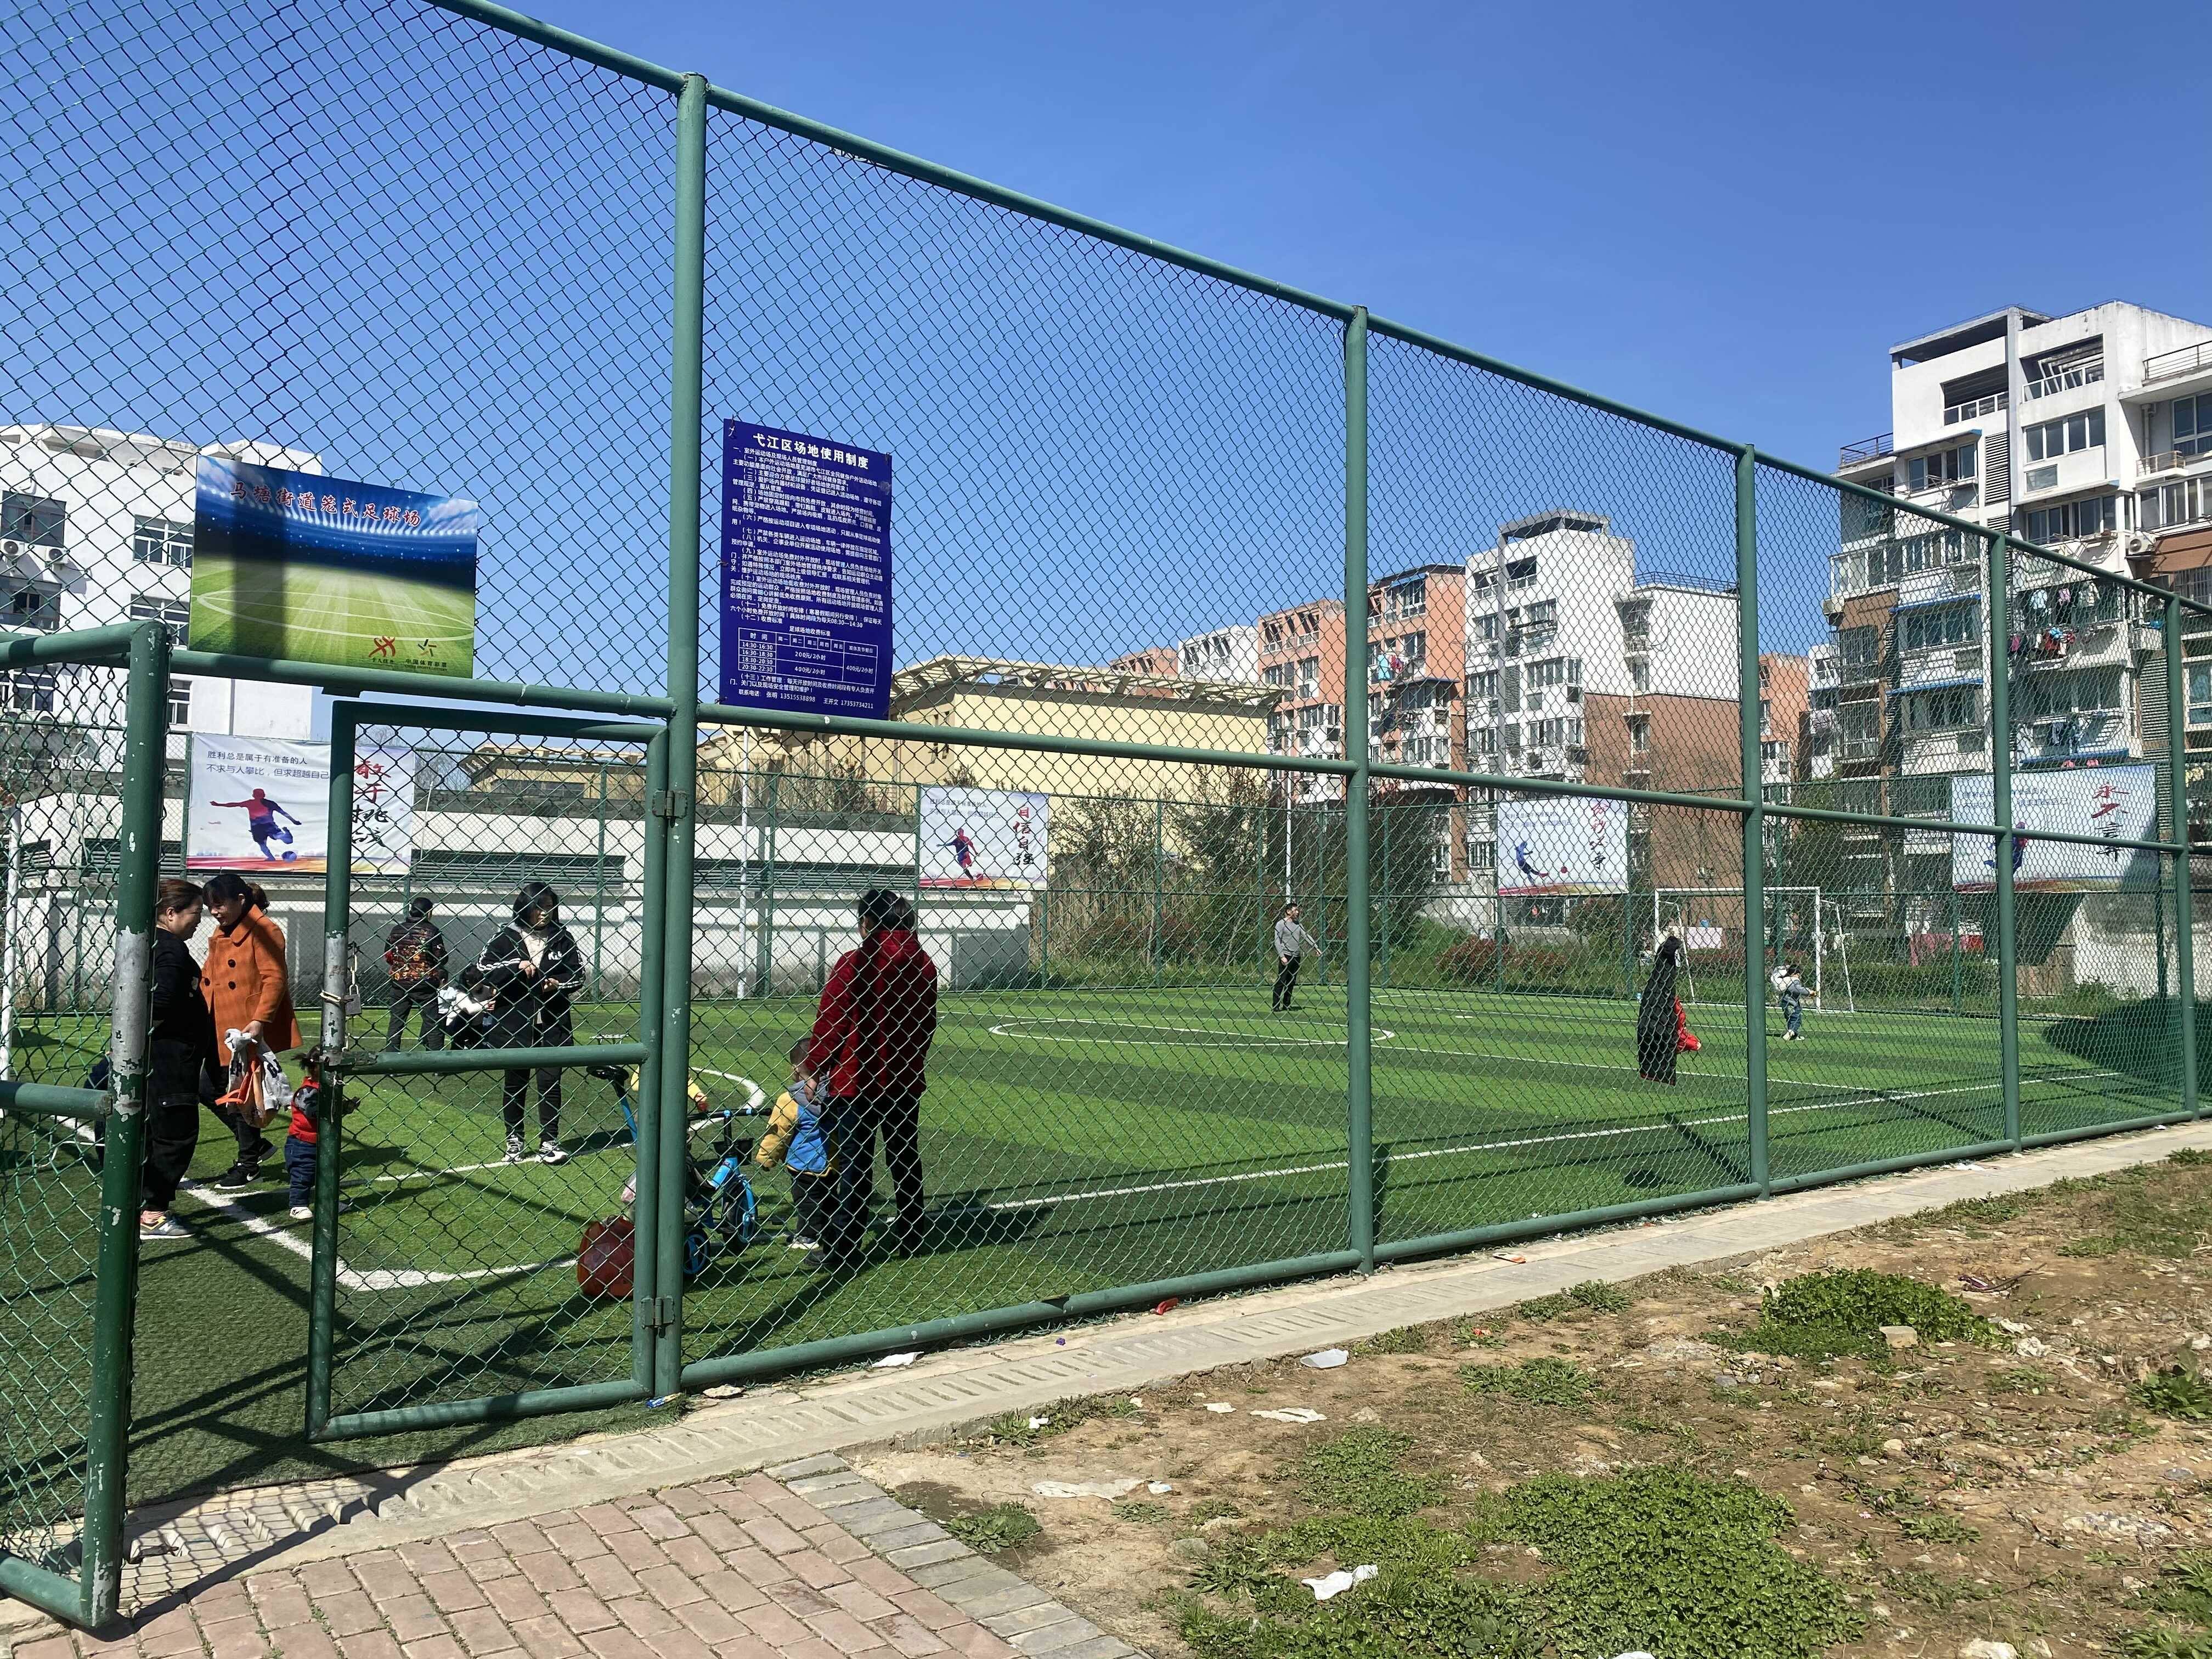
{"x": 1800, "y": 920}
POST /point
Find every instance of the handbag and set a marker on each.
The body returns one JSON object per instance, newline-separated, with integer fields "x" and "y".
{"x": 606, "y": 1260}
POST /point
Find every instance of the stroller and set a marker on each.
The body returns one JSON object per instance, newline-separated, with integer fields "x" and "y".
{"x": 722, "y": 1215}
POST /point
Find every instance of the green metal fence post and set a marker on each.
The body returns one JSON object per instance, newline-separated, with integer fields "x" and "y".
{"x": 1159, "y": 884}
{"x": 677, "y": 802}
{"x": 2184, "y": 886}
{"x": 600, "y": 888}
{"x": 768, "y": 834}
{"x": 1360, "y": 1121}
{"x": 645, "y": 1151}
{"x": 1958, "y": 960}
{"x": 337, "y": 960}
{"x": 1755, "y": 817}
{"x": 2000, "y": 608}
{"x": 1382, "y": 899}
{"x": 115, "y": 1297}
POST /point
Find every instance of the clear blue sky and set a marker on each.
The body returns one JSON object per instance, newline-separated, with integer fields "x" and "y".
{"x": 1722, "y": 213}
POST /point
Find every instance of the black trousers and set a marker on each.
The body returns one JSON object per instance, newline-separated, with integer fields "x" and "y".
{"x": 406, "y": 999}
{"x": 854, "y": 1125}
{"x": 173, "y": 1134}
{"x": 514, "y": 1090}
{"x": 1287, "y": 982}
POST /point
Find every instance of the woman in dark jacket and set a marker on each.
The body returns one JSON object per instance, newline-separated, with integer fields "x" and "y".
{"x": 1658, "y": 1033}
{"x": 179, "y": 1051}
{"x": 533, "y": 970}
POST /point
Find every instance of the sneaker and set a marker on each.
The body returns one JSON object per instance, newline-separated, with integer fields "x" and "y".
{"x": 514, "y": 1149}
{"x": 169, "y": 1227}
{"x": 550, "y": 1151}
{"x": 238, "y": 1175}
{"x": 803, "y": 1244}
{"x": 303, "y": 1213}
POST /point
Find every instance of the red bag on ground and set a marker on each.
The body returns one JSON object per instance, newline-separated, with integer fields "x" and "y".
{"x": 1685, "y": 1040}
{"x": 607, "y": 1258}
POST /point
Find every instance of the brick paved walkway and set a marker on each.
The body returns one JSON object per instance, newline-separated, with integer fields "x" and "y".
{"x": 808, "y": 1561}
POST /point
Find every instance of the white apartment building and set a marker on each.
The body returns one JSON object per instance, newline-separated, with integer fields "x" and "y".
{"x": 1561, "y": 632}
{"x": 1230, "y": 655}
{"x": 95, "y": 528}
{"x": 2086, "y": 433}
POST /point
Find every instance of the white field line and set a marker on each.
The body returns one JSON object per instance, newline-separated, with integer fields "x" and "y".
{"x": 1511, "y": 1142}
{"x": 405, "y": 1278}
{"x": 1232, "y": 1039}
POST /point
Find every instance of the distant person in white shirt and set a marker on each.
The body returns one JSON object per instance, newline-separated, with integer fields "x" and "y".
{"x": 1291, "y": 942}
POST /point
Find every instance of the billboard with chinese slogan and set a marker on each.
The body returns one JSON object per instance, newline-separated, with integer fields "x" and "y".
{"x": 2112, "y": 803}
{"x": 1561, "y": 844}
{"x": 984, "y": 838}
{"x": 260, "y": 805}
{"x": 305, "y": 568}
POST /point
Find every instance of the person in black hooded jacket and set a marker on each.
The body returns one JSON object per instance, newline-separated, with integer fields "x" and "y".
{"x": 180, "y": 1052}
{"x": 534, "y": 970}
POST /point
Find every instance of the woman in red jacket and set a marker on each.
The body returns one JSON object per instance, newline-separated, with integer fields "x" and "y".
{"x": 869, "y": 1050}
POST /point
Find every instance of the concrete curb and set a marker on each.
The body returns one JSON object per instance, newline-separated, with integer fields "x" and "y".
{"x": 177, "y": 1545}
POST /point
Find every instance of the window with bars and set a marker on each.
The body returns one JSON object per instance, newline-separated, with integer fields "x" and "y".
{"x": 162, "y": 541}
{"x": 38, "y": 520}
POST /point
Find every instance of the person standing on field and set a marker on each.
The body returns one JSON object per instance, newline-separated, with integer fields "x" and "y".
{"x": 248, "y": 988}
{"x": 1292, "y": 943}
{"x": 869, "y": 1053}
{"x": 179, "y": 1051}
{"x": 415, "y": 954}
{"x": 1659, "y": 1027}
{"x": 534, "y": 968}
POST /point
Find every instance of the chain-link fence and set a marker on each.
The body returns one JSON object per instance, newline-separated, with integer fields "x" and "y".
{"x": 1329, "y": 797}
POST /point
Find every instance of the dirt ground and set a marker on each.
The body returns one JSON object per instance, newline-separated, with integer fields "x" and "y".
{"x": 2012, "y": 1490}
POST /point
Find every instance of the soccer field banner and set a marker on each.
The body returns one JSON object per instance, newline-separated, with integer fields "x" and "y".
{"x": 263, "y": 804}
{"x": 2116, "y": 803}
{"x": 805, "y": 574}
{"x": 1557, "y": 844}
{"x": 298, "y": 565}
{"x": 984, "y": 838}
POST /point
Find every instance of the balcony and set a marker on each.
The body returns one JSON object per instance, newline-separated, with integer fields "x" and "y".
{"x": 1867, "y": 449}
{"x": 2174, "y": 460}
{"x": 2067, "y": 379}
{"x": 2055, "y": 739}
{"x": 2172, "y": 365}
{"x": 1974, "y": 410}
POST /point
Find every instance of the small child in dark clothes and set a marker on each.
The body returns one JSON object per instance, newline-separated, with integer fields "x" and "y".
{"x": 302, "y": 1143}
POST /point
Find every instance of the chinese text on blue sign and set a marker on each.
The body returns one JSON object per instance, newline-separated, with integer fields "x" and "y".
{"x": 806, "y": 574}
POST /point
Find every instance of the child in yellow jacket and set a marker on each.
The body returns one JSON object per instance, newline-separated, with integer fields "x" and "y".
{"x": 796, "y": 1138}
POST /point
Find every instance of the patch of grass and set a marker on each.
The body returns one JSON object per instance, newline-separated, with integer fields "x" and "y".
{"x": 2164, "y": 1221}
{"x": 1407, "y": 1338}
{"x": 1861, "y": 1437}
{"x": 1666, "y": 1560}
{"x": 1595, "y": 1294}
{"x": 1141, "y": 1512}
{"x": 2189, "y": 1154}
{"x": 1213, "y": 1508}
{"x": 2164, "y": 1642}
{"x": 2176, "y": 1392}
{"x": 1543, "y": 1381}
{"x": 1840, "y": 1313}
{"x": 1014, "y": 1428}
{"x": 1398, "y": 1616}
{"x": 1936, "y": 1528}
{"x": 1933, "y": 1590}
{"x": 2185, "y": 1588}
{"x": 1002, "y": 1527}
{"x": 1358, "y": 1472}
{"x": 2022, "y": 1379}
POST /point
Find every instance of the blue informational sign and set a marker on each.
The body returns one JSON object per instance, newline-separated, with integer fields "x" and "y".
{"x": 806, "y": 574}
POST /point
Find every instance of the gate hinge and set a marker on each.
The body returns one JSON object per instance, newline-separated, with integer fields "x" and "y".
{"x": 665, "y": 1311}
{"x": 669, "y": 804}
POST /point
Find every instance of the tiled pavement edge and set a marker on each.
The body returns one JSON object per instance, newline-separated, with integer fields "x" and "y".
{"x": 179, "y": 1547}
{"x": 805, "y": 1561}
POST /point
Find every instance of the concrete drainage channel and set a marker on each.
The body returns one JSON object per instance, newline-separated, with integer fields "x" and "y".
{"x": 178, "y": 1548}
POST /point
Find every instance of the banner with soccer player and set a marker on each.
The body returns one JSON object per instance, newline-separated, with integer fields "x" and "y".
{"x": 984, "y": 838}
{"x": 1562, "y": 844}
{"x": 261, "y": 805}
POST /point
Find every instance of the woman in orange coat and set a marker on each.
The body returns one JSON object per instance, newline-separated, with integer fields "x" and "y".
{"x": 248, "y": 989}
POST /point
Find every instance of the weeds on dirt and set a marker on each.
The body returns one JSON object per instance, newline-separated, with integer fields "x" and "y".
{"x": 1141, "y": 1512}
{"x": 1595, "y": 1294}
{"x": 1358, "y": 1472}
{"x": 1407, "y": 1338}
{"x": 2177, "y": 1392}
{"x": 1002, "y": 1527}
{"x": 2168, "y": 1222}
{"x": 1029, "y": 1428}
{"x": 1840, "y": 1313}
{"x": 2022, "y": 1379}
{"x": 1543, "y": 1381}
{"x": 1936, "y": 1528}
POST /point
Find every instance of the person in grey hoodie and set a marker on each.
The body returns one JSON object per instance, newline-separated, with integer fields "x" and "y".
{"x": 1292, "y": 941}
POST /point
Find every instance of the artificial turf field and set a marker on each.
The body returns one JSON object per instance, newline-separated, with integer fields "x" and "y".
{"x": 1072, "y": 1141}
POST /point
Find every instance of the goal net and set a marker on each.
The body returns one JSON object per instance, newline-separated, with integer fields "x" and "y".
{"x": 1803, "y": 927}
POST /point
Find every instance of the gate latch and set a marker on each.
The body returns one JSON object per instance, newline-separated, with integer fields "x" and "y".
{"x": 669, "y": 804}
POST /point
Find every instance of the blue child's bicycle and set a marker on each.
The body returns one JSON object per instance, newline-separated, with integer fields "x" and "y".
{"x": 720, "y": 1214}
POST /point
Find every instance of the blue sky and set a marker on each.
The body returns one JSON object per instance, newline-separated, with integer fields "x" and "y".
{"x": 1722, "y": 213}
